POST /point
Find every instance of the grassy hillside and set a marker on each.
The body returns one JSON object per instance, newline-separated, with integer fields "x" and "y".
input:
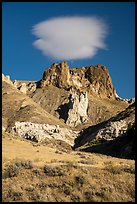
{"x": 39, "y": 173}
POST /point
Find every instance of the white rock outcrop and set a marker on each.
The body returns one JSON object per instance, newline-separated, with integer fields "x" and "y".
{"x": 38, "y": 132}
{"x": 112, "y": 130}
{"x": 23, "y": 88}
{"x": 129, "y": 101}
{"x": 77, "y": 113}
{"x": 6, "y": 79}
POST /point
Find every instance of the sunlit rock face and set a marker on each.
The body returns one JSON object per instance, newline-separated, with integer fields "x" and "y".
{"x": 57, "y": 75}
{"x": 25, "y": 87}
{"x": 6, "y": 79}
{"x": 77, "y": 113}
{"x": 38, "y": 132}
{"x": 93, "y": 79}
{"x": 80, "y": 83}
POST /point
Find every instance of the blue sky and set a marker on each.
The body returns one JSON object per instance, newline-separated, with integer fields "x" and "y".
{"x": 22, "y": 60}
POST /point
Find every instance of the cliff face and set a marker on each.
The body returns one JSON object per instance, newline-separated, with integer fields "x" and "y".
{"x": 78, "y": 96}
{"x": 23, "y": 86}
{"x": 57, "y": 75}
{"x": 93, "y": 79}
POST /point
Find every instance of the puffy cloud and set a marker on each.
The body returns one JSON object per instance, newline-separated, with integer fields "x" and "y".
{"x": 69, "y": 38}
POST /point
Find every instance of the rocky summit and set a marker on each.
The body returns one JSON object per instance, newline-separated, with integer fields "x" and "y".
{"x": 67, "y": 138}
{"x": 93, "y": 79}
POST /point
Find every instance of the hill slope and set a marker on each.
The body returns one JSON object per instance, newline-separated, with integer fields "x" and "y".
{"x": 115, "y": 136}
{"x": 19, "y": 107}
{"x": 38, "y": 173}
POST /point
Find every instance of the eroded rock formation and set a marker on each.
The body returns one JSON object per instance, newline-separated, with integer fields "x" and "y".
{"x": 77, "y": 113}
{"x": 25, "y": 87}
{"x": 38, "y": 132}
{"x": 93, "y": 79}
{"x": 82, "y": 94}
{"x": 57, "y": 75}
{"x": 6, "y": 79}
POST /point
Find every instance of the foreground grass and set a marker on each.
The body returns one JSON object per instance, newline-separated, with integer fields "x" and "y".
{"x": 52, "y": 175}
{"x": 24, "y": 182}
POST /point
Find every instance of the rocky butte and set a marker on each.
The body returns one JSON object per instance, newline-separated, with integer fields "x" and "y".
{"x": 78, "y": 95}
{"x": 75, "y": 95}
{"x": 93, "y": 79}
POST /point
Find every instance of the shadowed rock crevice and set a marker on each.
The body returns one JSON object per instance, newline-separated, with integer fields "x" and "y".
{"x": 63, "y": 110}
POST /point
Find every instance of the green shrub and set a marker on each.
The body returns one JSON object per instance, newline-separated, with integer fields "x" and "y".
{"x": 37, "y": 197}
{"x": 120, "y": 169}
{"x": 41, "y": 185}
{"x": 115, "y": 169}
{"x": 29, "y": 189}
{"x": 75, "y": 198}
{"x": 88, "y": 161}
{"x": 37, "y": 172}
{"x": 13, "y": 169}
{"x": 129, "y": 169}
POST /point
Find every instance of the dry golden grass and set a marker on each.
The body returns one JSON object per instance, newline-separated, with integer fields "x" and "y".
{"x": 73, "y": 176}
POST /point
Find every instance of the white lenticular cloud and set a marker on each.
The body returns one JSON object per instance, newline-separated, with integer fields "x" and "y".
{"x": 69, "y": 38}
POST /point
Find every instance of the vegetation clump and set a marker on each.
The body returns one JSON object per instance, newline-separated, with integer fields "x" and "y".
{"x": 27, "y": 164}
{"x": 80, "y": 180}
{"x": 11, "y": 171}
{"x": 53, "y": 171}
